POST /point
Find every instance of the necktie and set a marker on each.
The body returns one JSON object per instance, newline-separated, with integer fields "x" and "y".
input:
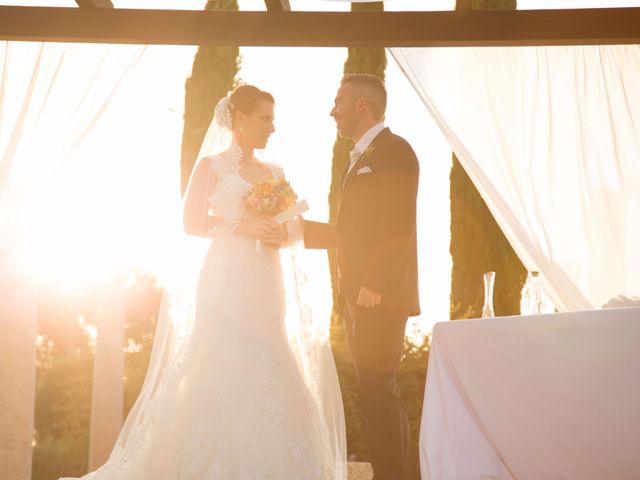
{"x": 354, "y": 156}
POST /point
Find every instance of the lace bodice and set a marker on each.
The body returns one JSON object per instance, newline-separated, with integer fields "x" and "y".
{"x": 226, "y": 201}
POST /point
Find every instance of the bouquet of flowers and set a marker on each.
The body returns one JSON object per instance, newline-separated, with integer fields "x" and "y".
{"x": 274, "y": 197}
{"x": 270, "y": 197}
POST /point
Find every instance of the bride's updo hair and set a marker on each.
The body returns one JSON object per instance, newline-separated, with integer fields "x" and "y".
{"x": 245, "y": 99}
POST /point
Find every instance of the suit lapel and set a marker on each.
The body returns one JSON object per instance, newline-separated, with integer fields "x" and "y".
{"x": 344, "y": 178}
{"x": 349, "y": 176}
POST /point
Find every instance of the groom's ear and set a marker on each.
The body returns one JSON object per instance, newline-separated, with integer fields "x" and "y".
{"x": 361, "y": 104}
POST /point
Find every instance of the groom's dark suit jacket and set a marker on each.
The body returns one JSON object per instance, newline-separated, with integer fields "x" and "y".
{"x": 375, "y": 231}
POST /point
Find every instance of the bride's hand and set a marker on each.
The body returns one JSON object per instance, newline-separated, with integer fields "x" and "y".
{"x": 278, "y": 239}
{"x": 258, "y": 227}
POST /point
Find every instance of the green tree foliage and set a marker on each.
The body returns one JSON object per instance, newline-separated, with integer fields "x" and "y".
{"x": 64, "y": 371}
{"x": 213, "y": 75}
{"x": 477, "y": 246}
{"x": 359, "y": 60}
{"x": 477, "y": 243}
{"x": 494, "y": 4}
{"x": 413, "y": 369}
{"x": 65, "y": 355}
{"x": 411, "y": 377}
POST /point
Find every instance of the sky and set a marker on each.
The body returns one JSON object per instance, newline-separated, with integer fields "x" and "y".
{"x": 129, "y": 167}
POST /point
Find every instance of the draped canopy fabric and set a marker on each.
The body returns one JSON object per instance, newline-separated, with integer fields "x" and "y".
{"x": 550, "y": 136}
{"x": 51, "y": 96}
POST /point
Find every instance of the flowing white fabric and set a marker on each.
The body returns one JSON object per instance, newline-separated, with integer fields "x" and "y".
{"x": 550, "y": 136}
{"x": 241, "y": 382}
{"x": 51, "y": 96}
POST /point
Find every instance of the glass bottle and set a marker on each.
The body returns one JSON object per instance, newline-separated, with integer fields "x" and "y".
{"x": 487, "y": 309}
{"x": 532, "y": 297}
{"x": 536, "y": 294}
{"x": 525, "y": 296}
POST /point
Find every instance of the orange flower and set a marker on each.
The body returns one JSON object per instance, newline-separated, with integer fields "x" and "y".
{"x": 270, "y": 197}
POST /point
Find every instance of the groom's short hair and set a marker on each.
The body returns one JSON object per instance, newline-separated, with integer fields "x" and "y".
{"x": 372, "y": 88}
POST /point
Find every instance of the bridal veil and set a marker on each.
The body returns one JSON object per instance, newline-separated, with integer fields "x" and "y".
{"x": 308, "y": 336}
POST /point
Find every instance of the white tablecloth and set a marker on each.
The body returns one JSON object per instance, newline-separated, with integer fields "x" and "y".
{"x": 534, "y": 397}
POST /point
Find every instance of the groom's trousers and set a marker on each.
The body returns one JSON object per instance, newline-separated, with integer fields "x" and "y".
{"x": 376, "y": 341}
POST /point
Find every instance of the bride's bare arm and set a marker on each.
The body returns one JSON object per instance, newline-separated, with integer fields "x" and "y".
{"x": 195, "y": 213}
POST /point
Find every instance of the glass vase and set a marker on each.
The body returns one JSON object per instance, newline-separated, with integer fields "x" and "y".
{"x": 487, "y": 308}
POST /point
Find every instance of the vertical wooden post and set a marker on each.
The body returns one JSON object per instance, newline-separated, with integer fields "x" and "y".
{"x": 18, "y": 327}
{"x": 464, "y": 5}
{"x": 107, "y": 401}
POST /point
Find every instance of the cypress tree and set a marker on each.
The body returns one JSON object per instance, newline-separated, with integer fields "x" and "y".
{"x": 477, "y": 243}
{"x": 213, "y": 75}
{"x": 494, "y": 4}
{"x": 359, "y": 60}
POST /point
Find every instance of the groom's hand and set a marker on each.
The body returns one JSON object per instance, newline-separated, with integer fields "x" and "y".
{"x": 367, "y": 298}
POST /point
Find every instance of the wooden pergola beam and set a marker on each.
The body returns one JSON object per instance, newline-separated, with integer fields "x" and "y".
{"x": 333, "y": 29}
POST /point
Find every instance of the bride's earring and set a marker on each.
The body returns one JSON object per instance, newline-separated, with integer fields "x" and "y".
{"x": 241, "y": 128}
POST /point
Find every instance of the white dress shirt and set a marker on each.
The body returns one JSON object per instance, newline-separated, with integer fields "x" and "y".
{"x": 363, "y": 143}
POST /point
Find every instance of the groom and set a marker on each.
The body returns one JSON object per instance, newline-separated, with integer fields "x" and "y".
{"x": 375, "y": 238}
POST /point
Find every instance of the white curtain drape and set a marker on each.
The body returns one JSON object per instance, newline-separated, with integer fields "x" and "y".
{"x": 51, "y": 96}
{"x": 550, "y": 136}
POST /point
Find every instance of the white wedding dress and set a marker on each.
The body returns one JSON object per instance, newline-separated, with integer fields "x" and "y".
{"x": 242, "y": 397}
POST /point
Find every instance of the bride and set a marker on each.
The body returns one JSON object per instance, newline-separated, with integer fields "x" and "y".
{"x": 248, "y": 389}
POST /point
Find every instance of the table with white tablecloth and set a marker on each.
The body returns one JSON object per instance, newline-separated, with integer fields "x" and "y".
{"x": 534, "y": 397}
